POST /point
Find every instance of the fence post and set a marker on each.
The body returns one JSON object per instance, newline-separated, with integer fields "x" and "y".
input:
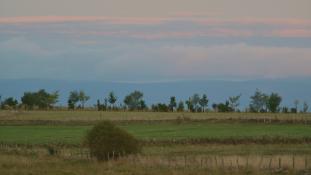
{"x": 293, "y": 162}
{"x": 185, "y": 161}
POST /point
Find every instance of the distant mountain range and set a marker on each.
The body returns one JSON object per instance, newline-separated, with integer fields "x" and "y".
{"x": 217, "y": 90}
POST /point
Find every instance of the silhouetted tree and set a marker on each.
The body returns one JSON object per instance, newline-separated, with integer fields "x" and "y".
{"x": 73, "y": 99}
{"x": 285, "y": 110}
{"x": 274, "y": 102}
{"x": 41, "y": 99}
{"x": 160, "y": 107}
{"x": 112, "y": 99}
{"x": 214, "y": 106}
{"x": 133, "y": 101}
{"x": 9, "y": 103}
{"x": 172, "y": 104}
{"x": 305, "y": 107}
{"x": 195, "y": 101}
{"x": 224, "y": 107}
{"x": 258, "y": 102}
{"x": 99, "y": 105}
{"x": 83, "y": 98}
{"x": 234, "y": 102}
{"x": 189, "y": 104}
{"x": 181, "y": 106}
{"x": 296, "y": 103}
{"x": 293, "y": 110}
{"x": 203, "y": 102}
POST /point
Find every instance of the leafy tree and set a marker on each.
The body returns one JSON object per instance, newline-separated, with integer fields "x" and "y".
{"x": 224, "y": 107}
{"x": 142, "y": 105}
{"x": 173, "y": 103}
{"x": 234, "y": 102}
{"x": 73, "y": 99}
{"x": 71, "y": 104}
{"x": 160, "y": 107}
{"x": 105, "y": 104}
{"x": 285, "y": 110}
{"x": 29, "y": 100}
{"x": 214, "y": 106}
{"x": 195, "y": 101}
{"x": 181, "y": 106}
{"x": 9, "y": 103}
{"x": 133, "y": 101}
{"x": 189, "y": 104}
{"x": 112, "y": 99}
{"x": 258, "y": 101}
{"x": 305, "y": 107}
{"x": 76, "y": 97}
{"x": 293, "y": 110}
{"x": 274, "y": 102}
{"x": 98, "y": 105}
{"x": 296, "y": 103}
{"x": 203, "y": 102}
{"x": 83, "y": 98}
{"x": 41, "y": 99}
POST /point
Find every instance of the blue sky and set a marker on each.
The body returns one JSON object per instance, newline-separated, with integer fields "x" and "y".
{"x": 161, "y": 41}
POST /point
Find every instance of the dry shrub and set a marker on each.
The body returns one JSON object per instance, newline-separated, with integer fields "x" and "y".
{"x": 107, "y": 141}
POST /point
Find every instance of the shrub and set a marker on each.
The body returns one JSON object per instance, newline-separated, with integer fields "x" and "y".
{"x": 107, "y": 141}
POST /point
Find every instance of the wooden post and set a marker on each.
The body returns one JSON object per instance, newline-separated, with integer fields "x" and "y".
{"x": 201, "y": 162}
{"x": 260, "y": 162}
{"x": 247, "y": 162}
{"x": 293, "y": 162}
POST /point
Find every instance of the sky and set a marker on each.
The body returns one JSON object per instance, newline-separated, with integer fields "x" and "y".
{"x": 155, "y": 41}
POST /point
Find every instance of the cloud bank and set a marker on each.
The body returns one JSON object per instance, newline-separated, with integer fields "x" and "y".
{"x": 138, "y": 49}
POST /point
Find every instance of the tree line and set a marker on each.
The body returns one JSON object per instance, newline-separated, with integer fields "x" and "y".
{"x": 259, "y": 103}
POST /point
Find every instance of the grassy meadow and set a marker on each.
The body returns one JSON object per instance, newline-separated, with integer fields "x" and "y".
{"x": 174, "y": 143}
{"x": 42, "y": 134}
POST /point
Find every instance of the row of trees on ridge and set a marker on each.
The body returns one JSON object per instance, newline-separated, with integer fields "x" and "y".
{"x": 259, "y": 102}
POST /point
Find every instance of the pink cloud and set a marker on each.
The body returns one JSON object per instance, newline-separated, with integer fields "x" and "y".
{"x": 209, "y": 28}
{"x": 124, "y": 20}
{"x": 292, "y": 22}
{"x": 58, "y": 19}
{"x": 291, "y": 33}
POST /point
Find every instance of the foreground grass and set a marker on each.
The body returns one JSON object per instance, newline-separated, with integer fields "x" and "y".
{"x": 53, "y": 165}
{"x": 158, "y": 131}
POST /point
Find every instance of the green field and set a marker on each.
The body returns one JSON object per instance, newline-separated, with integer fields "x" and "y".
{"x": 89, "y": 116}
{"x": 171, "y": 143}
{"x": 159, "y": 131}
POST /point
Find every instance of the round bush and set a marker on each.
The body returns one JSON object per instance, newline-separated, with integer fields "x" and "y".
{"x": 107, "y": 141}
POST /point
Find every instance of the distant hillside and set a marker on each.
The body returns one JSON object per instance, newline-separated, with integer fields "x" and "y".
{"x": 217, "y": 90}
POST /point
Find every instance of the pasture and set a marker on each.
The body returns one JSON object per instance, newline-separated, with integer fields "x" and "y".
{"x": 173, "y": 143}
{"x": 42, "y": 134}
